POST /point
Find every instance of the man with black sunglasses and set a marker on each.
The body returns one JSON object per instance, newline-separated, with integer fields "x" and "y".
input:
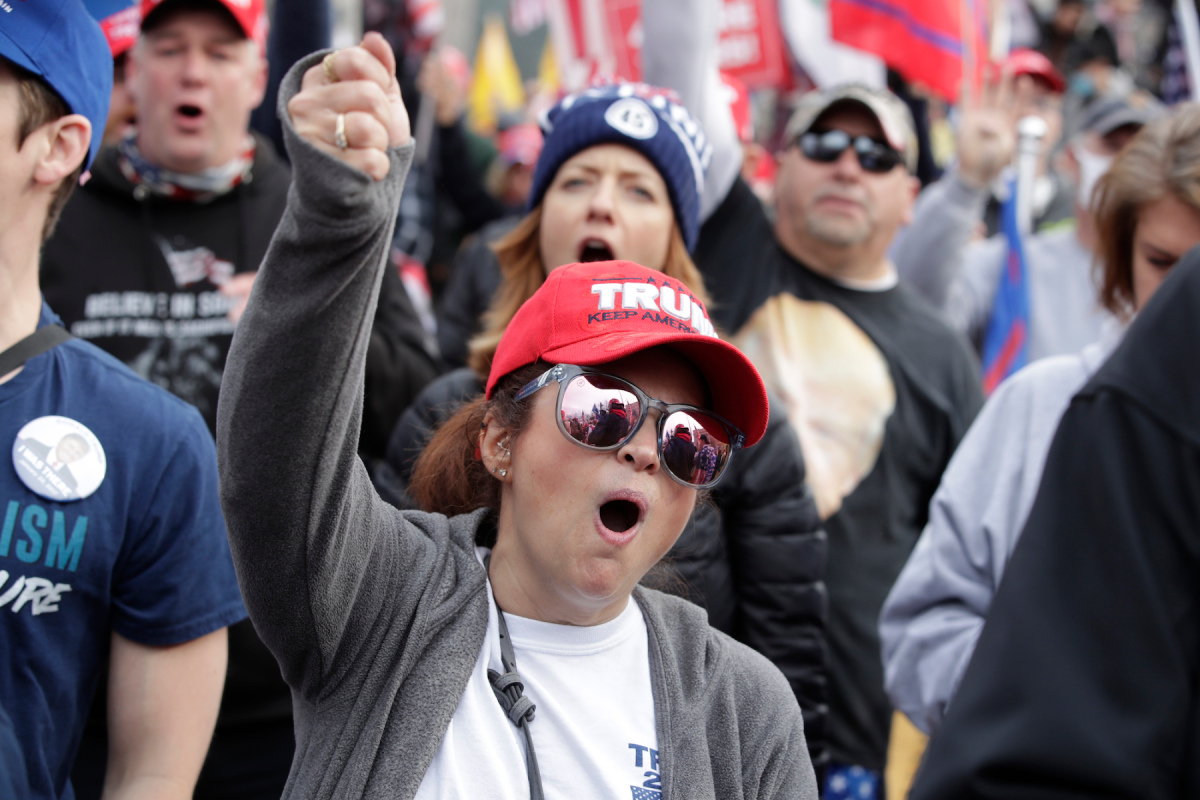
{"x": 879, "y": 389}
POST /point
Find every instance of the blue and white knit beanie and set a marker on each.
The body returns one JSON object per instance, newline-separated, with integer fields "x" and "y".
{"x": 649, "y": 120}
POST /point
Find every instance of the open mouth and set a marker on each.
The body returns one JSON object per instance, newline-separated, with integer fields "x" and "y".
{"x": 595, "y": 250}
{"x": 619, "y": 515}
{"x": 189, "y": 111}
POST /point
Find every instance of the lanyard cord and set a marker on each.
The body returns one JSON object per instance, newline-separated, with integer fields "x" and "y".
{"x": 44, "y": 338}
{"x": 509, "y": 689}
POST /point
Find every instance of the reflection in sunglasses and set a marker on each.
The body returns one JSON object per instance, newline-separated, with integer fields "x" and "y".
{"x": 601, "y": 412}
{"x": 604, "y": 412}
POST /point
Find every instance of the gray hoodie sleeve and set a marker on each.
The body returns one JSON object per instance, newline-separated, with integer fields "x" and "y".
{"x": 679, "y": 52}
{"x": 311, "y": 540}
{"x": 935, "y": 255}
{"x": 937, "y": 607}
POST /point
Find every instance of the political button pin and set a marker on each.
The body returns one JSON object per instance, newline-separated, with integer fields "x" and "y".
{"x": 59, "y": 459}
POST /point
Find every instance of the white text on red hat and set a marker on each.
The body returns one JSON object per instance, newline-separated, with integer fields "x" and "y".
{"x": 648, "y": 296}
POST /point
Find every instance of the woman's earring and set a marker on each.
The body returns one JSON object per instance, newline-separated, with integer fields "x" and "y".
{"x": 503, "y": 473}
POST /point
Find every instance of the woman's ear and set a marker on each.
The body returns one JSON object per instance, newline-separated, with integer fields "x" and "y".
{"x": 495, "y": 443}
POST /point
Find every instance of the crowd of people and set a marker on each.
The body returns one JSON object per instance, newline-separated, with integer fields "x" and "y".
{"x": 627, "y": 447}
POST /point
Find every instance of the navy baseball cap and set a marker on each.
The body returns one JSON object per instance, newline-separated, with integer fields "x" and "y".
{"x": 59, "y": 41}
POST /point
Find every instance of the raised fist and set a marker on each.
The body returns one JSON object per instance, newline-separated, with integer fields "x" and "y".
{"x": 349, "y": 106}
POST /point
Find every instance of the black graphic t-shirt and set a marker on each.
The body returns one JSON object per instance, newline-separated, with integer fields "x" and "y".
{"x": 879, "y": 391}
{"x": 140, "y": 276}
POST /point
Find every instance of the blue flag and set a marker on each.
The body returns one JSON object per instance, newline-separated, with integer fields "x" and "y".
{"x": 1006, "y": 342}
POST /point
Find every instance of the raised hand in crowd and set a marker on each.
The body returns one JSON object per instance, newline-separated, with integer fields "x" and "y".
{"x": 349, "y": 106}
{"x": 449, "y": 93}
{"x": 987, "y": 136}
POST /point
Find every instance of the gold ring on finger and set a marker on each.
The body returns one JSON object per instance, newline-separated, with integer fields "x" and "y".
{"x": 339, "y": 133}
{"x": 327, "y": 65}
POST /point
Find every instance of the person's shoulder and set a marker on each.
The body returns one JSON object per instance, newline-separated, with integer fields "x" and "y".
{"x": 103, "y": 379}
{"x": 453, "y": 388}
{"x": 701, "y": 654}
{"x": 498, "y": 228}
{"x": 1025, "y": 409}
{"x": 458, "y": 532}
{"x": 741, "y": 215}
{"x": 1046, "y": 377}
{"x": 919, "y": 319}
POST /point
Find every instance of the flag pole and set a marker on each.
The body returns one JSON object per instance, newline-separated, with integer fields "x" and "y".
{"x": 1189, "y": 30}
{"x": 1030, "y": 132}
{"x": 969, "y": 56}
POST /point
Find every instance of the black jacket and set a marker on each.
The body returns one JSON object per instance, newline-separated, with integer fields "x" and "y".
{"x": 473, "y": 283}
{"x": 753, "y": 556}
{"x": 1084, "y": 682}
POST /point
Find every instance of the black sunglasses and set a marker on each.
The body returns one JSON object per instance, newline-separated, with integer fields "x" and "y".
{"x": 828, "y": 146}
{"x": 602, "y": 412}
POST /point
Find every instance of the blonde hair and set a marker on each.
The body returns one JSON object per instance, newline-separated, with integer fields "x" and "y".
{"x": 522, "y": 271}
{"x": 1162, "y": 160}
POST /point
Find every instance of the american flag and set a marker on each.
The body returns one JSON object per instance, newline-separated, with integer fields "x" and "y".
{"x": 645, "y": 794}
{"x": 1006, "y": 341}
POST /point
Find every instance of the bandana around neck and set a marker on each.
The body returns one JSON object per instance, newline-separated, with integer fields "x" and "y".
{"x": 196, "y": 187}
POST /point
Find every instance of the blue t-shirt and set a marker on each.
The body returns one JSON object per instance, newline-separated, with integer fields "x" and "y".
{"x": 145, "y": 555}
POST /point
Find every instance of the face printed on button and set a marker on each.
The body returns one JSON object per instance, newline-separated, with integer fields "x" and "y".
{"x": 59, "y": 459}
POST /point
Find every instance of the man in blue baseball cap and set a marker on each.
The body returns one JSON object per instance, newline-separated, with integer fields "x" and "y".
{"x": 127, "y": 564}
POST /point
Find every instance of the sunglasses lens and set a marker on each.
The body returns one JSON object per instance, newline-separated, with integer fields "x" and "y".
{"x": 828, "y": 147}
{"x": 875, "y": 157}
{"x": 695, "y": 447}
{"x": 599, "y": 411}
{"x": 824, "y": 147}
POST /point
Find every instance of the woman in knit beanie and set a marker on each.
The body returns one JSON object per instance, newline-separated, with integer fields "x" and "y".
{"x": 619, "y": 177}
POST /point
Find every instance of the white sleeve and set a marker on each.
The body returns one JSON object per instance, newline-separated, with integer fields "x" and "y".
{"x": 935, "y": 611}
{"x": 930, "y": 252}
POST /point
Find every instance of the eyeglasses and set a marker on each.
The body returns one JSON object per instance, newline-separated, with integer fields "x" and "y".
{"x": 828, "y": 147}
{"x": 602, "y": 412}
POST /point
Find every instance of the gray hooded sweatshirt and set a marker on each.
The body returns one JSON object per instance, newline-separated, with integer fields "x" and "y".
{"x": 937, "y": 608}
{"x": 376, "y": 616}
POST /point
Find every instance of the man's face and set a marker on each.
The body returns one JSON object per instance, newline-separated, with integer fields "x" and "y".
{"x": 841, "y": 205}
{"x": 70, "y": 450}
{"x": 195, "y": 79}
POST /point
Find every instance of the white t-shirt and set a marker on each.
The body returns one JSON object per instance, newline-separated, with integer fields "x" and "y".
{"x": 593, "y": 730}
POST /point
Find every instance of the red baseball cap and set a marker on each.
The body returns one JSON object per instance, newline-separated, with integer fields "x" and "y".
{"x": 120, "y": 21}
{"x": 520, "y": 144}
{"x": 250, "y": 15}
{"x": 1024, "y": 61}
{"x": 591, "y": 314}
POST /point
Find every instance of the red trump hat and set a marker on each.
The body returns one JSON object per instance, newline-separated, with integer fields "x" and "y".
{"x": 590, "y": 314}
{"x": 250, "y": 16}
